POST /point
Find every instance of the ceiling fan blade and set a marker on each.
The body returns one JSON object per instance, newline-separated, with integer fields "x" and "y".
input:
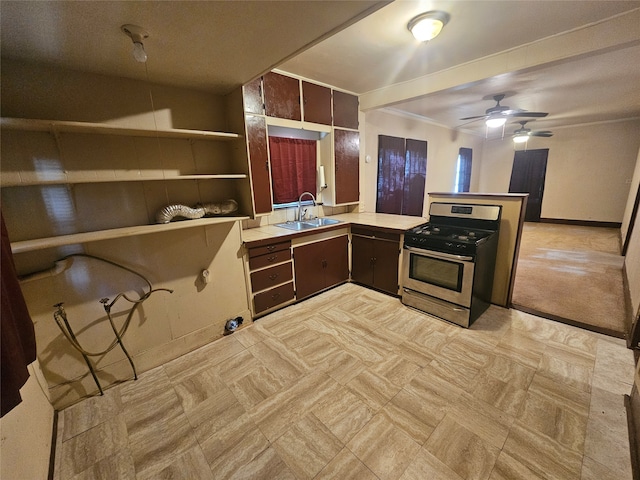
{"x": 529, "y": 114}
{"x": 544, "y": 133}
{"x": 474, "y": 118}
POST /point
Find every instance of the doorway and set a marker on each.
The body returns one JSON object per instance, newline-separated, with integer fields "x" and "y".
{"x": 527, "y": 176}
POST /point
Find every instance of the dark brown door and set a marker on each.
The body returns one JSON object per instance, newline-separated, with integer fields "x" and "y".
{"x": 259, "y": 162}
{"x": 362, "y": 260}
{"x": 415, "y": 176}
{"x": 385, "y": 266}
{"x": 527, "y": 176}
{"x": 336, "y": 260}
{"x": 347, "y": 155}
{"x": 281, "y": 96}
{"x": 309, "y": 268}
{"x": 252, "y": 95}
{"x": 402, "y": 173}
{"x": 317, "y": 103}
{"x": 345, "y": 110}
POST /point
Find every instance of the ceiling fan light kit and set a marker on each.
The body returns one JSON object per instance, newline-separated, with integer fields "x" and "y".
{"x": 496, "y": 122}
{"x": 428, "y": 25}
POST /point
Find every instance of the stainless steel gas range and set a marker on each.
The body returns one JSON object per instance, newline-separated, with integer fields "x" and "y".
{"x": 449, "y": 262}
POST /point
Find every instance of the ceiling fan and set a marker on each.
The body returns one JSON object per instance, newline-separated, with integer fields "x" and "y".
{"x": 523, "y": 133}
{"x": 497, "y": 116}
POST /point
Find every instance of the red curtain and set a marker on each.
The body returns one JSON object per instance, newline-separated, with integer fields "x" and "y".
{"x": 293, "y": 168}
{"x": 18, "y": 343}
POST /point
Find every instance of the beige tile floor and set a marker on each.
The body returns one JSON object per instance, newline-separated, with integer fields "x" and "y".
{"x": 353, "y": 385}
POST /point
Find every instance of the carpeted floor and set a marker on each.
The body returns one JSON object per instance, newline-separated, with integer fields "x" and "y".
{"x": 572, "y": 274}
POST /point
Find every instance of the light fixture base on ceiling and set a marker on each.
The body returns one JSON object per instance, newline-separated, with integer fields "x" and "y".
{"x": 137, "y": 35}
{"x": 428, "y": 25}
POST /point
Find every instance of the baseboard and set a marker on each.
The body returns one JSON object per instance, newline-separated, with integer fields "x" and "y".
{"x": 582, "y": 223}
{"x": 632, "y": 405}
{"x": 592, "y": 328}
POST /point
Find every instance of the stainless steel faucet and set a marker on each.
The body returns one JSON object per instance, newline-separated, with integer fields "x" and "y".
{"x": 300, "y": 214}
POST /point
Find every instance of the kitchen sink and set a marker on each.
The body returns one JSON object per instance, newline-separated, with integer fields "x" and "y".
{"x": 308, "y": 224}
{"x": 321, "y": 222}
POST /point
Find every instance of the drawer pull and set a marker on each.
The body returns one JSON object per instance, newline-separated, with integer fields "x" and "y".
{"x": 273, "y": 277}
{"x": 271, "y": 248}
{"x": 273, "y": 258}
{"x": 275, "y": 296}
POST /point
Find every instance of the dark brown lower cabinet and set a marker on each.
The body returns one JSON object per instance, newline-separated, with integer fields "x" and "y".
{"x": 374, "y": 258}
{"x": 320, "y": 265}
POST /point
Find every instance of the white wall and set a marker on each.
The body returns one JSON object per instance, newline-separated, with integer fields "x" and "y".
{"x": 443, "y": 145}
{"x": 587, "y": 170}
{"x": 26, "y": 432}
{"x": 635, "y": 181}
{"x": 632, "y": 260}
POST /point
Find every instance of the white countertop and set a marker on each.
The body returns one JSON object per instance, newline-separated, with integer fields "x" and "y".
{"x": 384, "y": 220}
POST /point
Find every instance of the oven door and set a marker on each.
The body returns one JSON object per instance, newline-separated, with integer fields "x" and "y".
{"x": 440, "y": 275}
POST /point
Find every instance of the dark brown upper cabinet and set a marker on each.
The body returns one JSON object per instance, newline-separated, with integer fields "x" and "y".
{"x": 281, "y": 96}
{"x": 252, "y": 96}
{"x": 345, "y": 110}
{"x": 317, "y": 103}
{"x": 347, "y": 156}
{"x": 259, "y": 163}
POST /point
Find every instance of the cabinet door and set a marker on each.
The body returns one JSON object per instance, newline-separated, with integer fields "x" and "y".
{"x": 385, "y": 265}
{"x": 362, "y": 260}
{"x": 260, "y": 178}
{"x": 347, "y": 155}
{"x": 345, "y": 110}
{"x": 281, "y": 96}
{"x": 309, "y": 268}
{"x": 252, "y": 96}
{"x": 336, "y": 260}
{"x": 317, "y": 103}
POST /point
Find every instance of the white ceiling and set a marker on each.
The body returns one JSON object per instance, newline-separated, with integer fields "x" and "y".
{"x": 207, "y": 45}
{"x": 218, "y": 45}
{"x": 592, "y": 84}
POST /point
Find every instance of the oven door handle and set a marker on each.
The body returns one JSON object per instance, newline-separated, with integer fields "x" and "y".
{"x": 445, "y": 256}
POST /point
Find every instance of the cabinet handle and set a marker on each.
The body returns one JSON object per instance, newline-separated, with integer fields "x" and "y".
{"x": 275, "y": 296}
{"x": 272, "y": 258}
{"x": 273, "y": 277}
{"x": 271, "y": 248}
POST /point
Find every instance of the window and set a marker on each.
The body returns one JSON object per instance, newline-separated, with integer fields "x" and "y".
{"x": 293, "y": 168}
{"x": 463, "y": 170}
{"x": 402, "y": 171}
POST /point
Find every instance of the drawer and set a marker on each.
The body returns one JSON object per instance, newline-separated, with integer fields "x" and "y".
{"x": 273, "y": 297}
{"x": 373, "y": 232}
{"x": 274, "y": 247}
{"x": 269, "y": 259}
{"x": 269, "y": 277}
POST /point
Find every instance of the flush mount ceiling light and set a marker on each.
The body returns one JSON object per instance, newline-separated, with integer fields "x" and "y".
{"x": 427, "y": 26}
{"x": 137, "y": 35}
